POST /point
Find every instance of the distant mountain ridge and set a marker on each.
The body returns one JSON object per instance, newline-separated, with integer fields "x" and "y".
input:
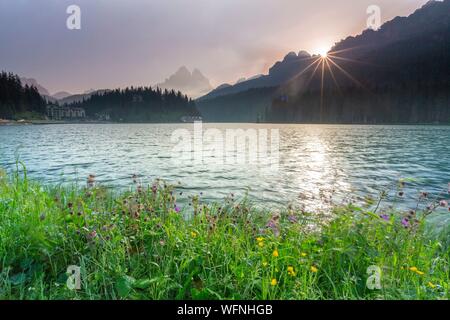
{"x": 397, "y": 74}
{"x": 33, "y": 83}
{"x": 193, "y": 84}
{"x": 279, "y": 73}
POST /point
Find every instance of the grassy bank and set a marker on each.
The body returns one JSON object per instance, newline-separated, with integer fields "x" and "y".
{"x": 140, "y": 245}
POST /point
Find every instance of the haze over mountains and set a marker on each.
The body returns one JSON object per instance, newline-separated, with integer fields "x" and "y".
{"x": 398, "y": 74}
{"x": 194, "y": 84}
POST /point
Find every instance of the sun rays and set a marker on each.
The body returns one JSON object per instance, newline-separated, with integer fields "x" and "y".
{"x": 328, "y": 63}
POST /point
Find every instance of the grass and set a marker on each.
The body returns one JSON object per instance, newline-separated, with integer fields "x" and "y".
{"x": 140, "y": 245}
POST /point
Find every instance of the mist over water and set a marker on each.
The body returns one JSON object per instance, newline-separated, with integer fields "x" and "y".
{"x": 315, "y": 161}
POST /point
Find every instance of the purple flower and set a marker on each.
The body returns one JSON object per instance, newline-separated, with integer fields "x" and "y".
{"x": 292, "y": 219}
{"x": 443, "y": 203}
{"x": 385, "y": 217}
{"x": 405, "y": 222}
{"x": 177, "y": 209}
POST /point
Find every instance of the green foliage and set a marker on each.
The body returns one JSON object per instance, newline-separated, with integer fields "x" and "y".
{"x": 16, "y": 99}
{"x": 142, "y": 104}
{"x": 136, "y": 245}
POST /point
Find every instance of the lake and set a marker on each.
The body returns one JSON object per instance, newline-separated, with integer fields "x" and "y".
{"x": 313, "y": 161}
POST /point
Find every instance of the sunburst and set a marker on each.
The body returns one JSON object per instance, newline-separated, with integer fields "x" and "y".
{"x": 326, "y": 60}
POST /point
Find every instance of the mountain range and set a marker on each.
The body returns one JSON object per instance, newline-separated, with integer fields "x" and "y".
{"x": 194, "y": 84}
{"x": 397, "y": 74}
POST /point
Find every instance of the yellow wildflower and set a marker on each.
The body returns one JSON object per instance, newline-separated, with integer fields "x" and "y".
{"x": 261, "y": 244}
{"x": 260, "y": 239}
{"x": 274, "y": 282}
{"x": 264, "y": 264}
{"x": 291, "y": 271}
{"x": 314, "y": 269}
{"x": 303, "y": 254}
{"x": 415, "y": 270}
{"x": 275, "y": 253}
{"x": 194, "y": 234}
{"x": 431, "y": 285}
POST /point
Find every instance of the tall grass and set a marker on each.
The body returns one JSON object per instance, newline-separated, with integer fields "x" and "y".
{"x": 141, "y": 245}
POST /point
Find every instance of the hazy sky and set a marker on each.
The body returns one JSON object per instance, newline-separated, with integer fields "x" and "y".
{"x": 142, "y": 42}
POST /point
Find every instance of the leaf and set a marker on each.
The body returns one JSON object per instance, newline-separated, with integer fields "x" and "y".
{"x": 124, "y": 285}
{"x": 18, "y": 279}
{"x": 144, "y": 283}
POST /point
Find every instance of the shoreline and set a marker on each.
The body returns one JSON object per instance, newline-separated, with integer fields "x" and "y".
{"x": 4, "y": 122}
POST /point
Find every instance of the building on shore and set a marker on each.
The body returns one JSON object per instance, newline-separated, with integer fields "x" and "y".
{"x": 55, "y": 112}
{"x": 190, "y": 119}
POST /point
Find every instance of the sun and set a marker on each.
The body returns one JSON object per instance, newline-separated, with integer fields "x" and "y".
{"x": 323, "y": 52}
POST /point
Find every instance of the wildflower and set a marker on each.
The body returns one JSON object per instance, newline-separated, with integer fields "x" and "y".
{"x": 92, "y": 235}
{"x": 405, "y": 222}
{"x": 91, "y": 180}
{"x": 424, "y": 194}
{"x": 154, "y": 188}
{"x": 314, "y": 269}
{"x": 275, "y": 253}
{"x": 261, "y": 244}
{"x": 260, "y": 239}
{"x": 303, "y": 254}
{"x": 194, "y": 234}
{"x": 177, "y": 209}
{"x": 385, "y": 217}
{"x": 273, "y": 224}
{"x": 291, "y": 271}
{"x": 292, "y": 219}
{"x": 415, "y": 270}
{"x": 273, "y": 282}
{"x": 443, "y": 203}
{"x": 264, "y": 263}
{"x": 431, "y": 285}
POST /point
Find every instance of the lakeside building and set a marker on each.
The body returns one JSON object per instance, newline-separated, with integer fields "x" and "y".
{"x": 55, "y": 112}
{"x": 189, "y": 119}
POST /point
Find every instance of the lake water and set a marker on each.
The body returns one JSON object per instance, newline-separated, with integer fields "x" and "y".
{"x": 313, "y": 161}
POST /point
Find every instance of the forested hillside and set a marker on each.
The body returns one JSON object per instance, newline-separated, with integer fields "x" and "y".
{"x": 19, "y": 101}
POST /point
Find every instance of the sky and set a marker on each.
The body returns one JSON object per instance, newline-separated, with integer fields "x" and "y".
{"x": 142, "y": 42}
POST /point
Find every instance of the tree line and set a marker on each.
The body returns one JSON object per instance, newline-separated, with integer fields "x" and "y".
{"x": 140, "y": 104}
{"x": 17, "y": 100}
